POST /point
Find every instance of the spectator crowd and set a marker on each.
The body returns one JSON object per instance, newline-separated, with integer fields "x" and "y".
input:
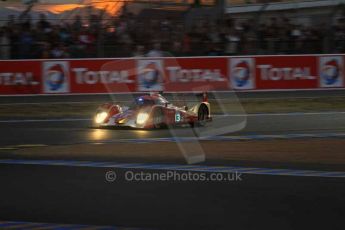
{"x": 130, "y": 35}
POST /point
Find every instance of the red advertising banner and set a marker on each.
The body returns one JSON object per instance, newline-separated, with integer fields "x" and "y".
{"x": 182, "y": 74}
{"x": 284, "y": 72}
{"x": 20, "y": 77}
{"x": 67, "y": 76}
{"x": 89, "y": 76}
{"x": 274, "y": 72}
{"x": 196, "y": 74}
{"x": 103, "y": 76}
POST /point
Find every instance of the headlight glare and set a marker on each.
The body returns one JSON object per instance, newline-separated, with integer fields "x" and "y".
{"x": 142, "y": 117}
{"x": 100, "y": 117}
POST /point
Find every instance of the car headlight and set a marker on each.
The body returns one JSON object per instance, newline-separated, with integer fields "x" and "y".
{"x": 100, "y": 117}
{"x": 122, "y": 121}
{"x": 142, "y": 117}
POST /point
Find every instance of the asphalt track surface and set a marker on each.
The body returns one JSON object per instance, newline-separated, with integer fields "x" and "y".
{"x": 72, "y": 195}
{"x": 70, "y": 131}
{"x": 81, "y": 195}
{"x": 51, "y": 132}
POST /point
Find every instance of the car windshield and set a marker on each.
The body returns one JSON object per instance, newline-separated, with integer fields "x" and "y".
{"x": 140, "y": 101}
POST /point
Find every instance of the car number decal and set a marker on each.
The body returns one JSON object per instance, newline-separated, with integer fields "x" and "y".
{"x": 177, "y": 117}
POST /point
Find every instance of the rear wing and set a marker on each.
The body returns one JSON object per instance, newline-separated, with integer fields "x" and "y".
{"x": 204, "y": 96}
{"x": 152, "y": 93}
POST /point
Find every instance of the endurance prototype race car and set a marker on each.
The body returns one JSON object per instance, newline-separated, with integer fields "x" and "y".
{"x": 152, "y": 111}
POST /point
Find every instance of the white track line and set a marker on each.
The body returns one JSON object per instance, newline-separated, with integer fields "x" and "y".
{"x": 129, "y": 101}
{"x": 187, "y": 168}
{"x": 281, "y": 114}
{"x": 285, "y": 114}
{"x": 48, "y": 103}
{"x": 44, "y": 120}
{"x": 226, "y": 115}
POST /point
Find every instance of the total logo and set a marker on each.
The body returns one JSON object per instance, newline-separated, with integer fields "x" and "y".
{"x": 331, "y": 71}
{"x": 17, "y": 79}
{"x": 56, "y": 77}
{"x": 271, "y": 73}
{"x": 177, "y": 74}
{"x": 242, "y": 73}
{"x": 150, "y": 75}
{"x": 92, "y": 77}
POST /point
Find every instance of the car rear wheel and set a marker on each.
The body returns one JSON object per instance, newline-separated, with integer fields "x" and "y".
{"x": 203, "y": 115}
{"x": 158, "y": 119}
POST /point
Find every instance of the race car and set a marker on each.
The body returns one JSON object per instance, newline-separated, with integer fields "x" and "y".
{"x": 152, "y": 111}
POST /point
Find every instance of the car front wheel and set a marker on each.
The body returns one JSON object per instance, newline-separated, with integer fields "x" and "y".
{"x": 158, "y": 119}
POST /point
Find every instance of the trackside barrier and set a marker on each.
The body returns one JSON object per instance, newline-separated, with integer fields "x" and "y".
{"x": 86, "y": 76}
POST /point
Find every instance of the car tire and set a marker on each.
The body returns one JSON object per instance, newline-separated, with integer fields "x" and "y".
{"x": 203, "y": 114}
{"x": 158, "y": 119}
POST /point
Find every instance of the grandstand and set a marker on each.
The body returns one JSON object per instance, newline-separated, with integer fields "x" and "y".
{"x": 93, "y": 28}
